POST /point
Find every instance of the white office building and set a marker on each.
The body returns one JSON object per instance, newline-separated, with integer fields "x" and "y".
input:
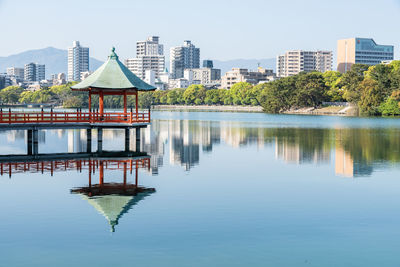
{"x": 78, "y": 61}
{"x": 149, "y": 56}
{"x": 296, "y": 61}
{"x": 184, "y": 57}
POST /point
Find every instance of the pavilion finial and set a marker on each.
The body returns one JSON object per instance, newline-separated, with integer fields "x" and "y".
{"x": 113, "y": 55}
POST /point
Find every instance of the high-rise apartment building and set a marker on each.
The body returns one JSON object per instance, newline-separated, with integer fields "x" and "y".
{"x": 34, "y": 72}
{"x": 78, "y": 61}
{"x": 149, "y": 56}
{"x": 184, "y": 57}
{"x": 363, "y": 51}
{"x": 296, "y": 61}
{"x": 18, "y": 73}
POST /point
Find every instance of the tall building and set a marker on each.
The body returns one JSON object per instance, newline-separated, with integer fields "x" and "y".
{"x": 208, "y": 64}
{"x": 296, "y": 61}
{"x": 16, "y": 72}
{"x": 34, "y": 72}
{"x": 149, "y": 56}
{"x": 184, "y": 57}
{"x": 244, "y": 75}
{"x": 363, "y": 51}
{"x": 78, "y": 61}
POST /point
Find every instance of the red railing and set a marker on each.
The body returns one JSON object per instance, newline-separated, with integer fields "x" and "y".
{"x": 52, "y": 166}
{"x": 11, "y": 117}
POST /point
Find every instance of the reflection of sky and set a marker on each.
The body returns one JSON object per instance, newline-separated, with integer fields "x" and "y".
{"x": 240, "y": 205}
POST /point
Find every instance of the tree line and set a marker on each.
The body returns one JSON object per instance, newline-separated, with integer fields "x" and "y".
{"x": 374, "y": 89}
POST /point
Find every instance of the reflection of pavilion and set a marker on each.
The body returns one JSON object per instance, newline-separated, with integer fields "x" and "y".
{"x": 110, "y": 199}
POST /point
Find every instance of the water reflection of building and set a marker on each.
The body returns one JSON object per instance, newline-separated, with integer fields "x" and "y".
{"x": 344, "y": 164}
{"x": 181, "y": 142}
{"x": 184, "y": 146}
{"x": 14, "y": 135}
{"x": 294, "y": 152}
{"x": 76, "y": 140}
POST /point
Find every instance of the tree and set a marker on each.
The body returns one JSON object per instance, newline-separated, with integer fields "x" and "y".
{"x": 145, "y": 99}
{"x": 350, "y": 82}
{"x": 11, "y": 94}
{"x": 311, "y": 90}
{"x": 381, "y": 73}
{"x": 371, "y": 96}
{"x": 213, "y": 97}
{"x": 240, "y": 93}
{"x": 73, "y": 102}
{"x": 193, "y": 92}
{"x": 277, "y": 96}
{"x": 390, "y": 107}
{"x": 332, "y": 81}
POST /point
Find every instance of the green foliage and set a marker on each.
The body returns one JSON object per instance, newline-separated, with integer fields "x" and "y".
{"x": 310, "y": 90}
{"x": 145, "y": 99}
{"x": 193, "y": 93}
{"x": 10, "y": 94}
{"x": 73, "y": 102}
{"x": 240, "y": 93}
{"x": 371, "y": 96}
{"x": 213, "y": 97}
{"x": 390, "y": 107}
{"x": 277, "y": 96}
{"x": 332, "y": 81}
{"x": 350, "y": 82}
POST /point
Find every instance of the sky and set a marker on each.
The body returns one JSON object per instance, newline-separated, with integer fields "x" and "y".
{"x": 223, "y": 29}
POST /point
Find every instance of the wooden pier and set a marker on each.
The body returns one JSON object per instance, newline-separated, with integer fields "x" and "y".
{"x": 112, "y": 78}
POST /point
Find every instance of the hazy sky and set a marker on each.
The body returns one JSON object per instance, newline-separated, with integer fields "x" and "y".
{"x": 222, "y": 29}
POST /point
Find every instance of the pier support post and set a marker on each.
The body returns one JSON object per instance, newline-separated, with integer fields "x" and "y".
{"x": 137, "y": 130}
{"x": 29, "y": 142}
{"x": 35, "y": 137}
{"x": 127, "y": 137}
{"x": 89, "y": 140}
{"x": 100, "y": 140}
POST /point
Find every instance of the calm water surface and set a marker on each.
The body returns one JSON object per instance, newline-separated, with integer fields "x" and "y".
{"x": 231, "y": 189}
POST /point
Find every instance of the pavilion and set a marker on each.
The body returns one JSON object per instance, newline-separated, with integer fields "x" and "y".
{"x": 113, "y": 78}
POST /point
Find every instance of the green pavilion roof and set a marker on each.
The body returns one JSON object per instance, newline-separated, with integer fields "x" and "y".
{"x": 113, "y": 75}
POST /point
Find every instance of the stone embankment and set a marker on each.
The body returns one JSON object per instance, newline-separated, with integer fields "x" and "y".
{"x": 209, "y": 108}
{"x": 348, "y": 110}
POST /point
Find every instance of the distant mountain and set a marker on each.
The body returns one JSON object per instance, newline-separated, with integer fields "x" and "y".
{"x": 56, "y": 60}
{"x": 251, "y": 64}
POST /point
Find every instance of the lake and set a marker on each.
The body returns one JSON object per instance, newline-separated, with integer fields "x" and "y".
{"x": 219, "y": 189}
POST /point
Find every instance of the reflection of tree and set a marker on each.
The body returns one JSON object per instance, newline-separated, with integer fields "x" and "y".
{"x": 371, "y": 145}
{"x": 301, "y": 145}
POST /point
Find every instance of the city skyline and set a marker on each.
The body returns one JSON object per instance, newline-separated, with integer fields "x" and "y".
{"x": 211, "y": 35}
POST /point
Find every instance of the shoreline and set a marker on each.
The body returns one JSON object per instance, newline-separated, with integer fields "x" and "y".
{"x": 209, "y": 108}
{"x": 329, "y": 110}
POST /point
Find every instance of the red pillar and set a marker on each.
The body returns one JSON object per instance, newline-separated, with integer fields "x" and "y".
{"x": 124, "y": 174}
{"x": 90, "y": 173}
{"x": 136, "y": 174}
{"x": 90, "y": 101}
{"x": 101, "y": 173}
{"x": 125, "y": 103}
{"x": 137, "y": 110}
{"x": 101, "y": 104}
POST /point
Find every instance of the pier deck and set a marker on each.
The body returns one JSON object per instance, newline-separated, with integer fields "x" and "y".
{"x": 50, "y": 119}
